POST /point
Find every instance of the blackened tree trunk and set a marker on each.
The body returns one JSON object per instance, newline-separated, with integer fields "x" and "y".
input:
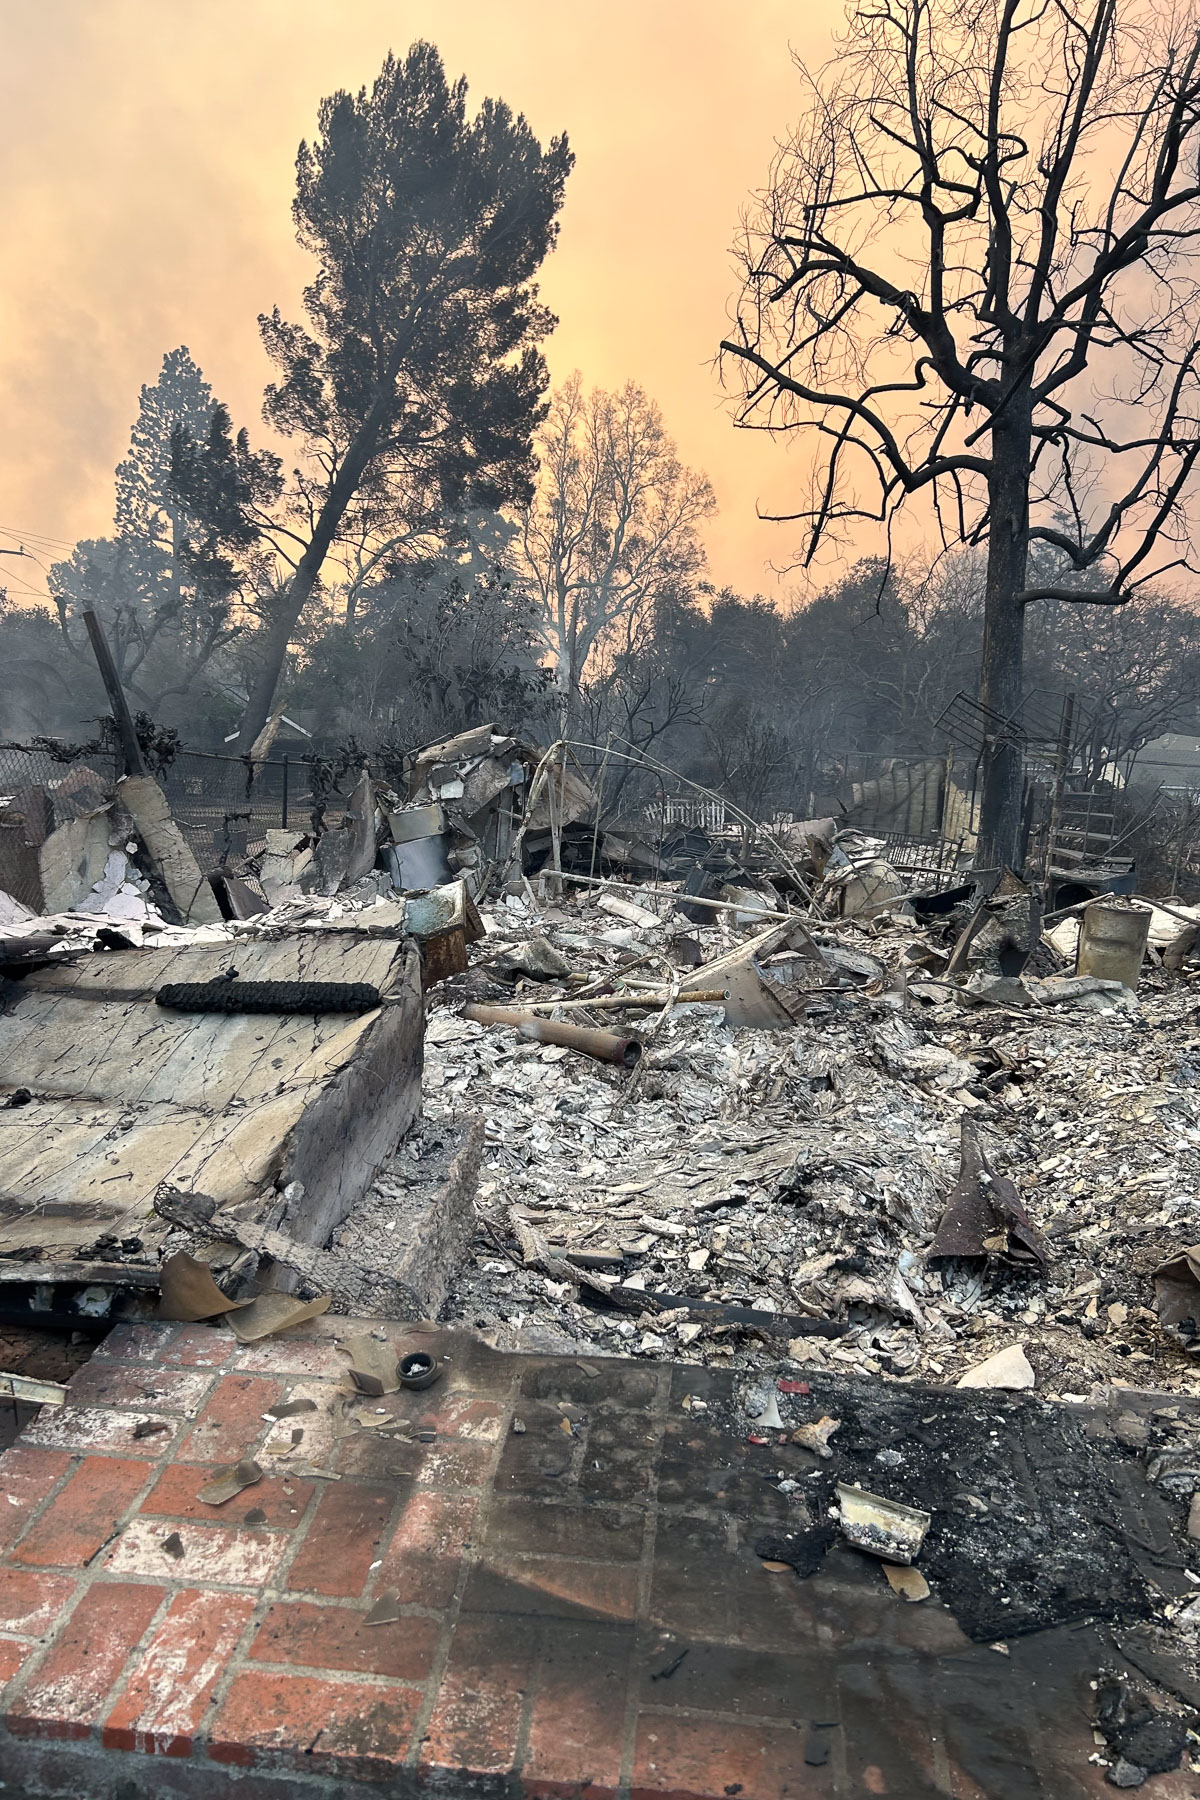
{"x": 1001, "y": 674}
{"x": 286, "y": 612}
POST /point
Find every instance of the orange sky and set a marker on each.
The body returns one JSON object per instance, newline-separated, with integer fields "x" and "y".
{"x": 146, "y": 158}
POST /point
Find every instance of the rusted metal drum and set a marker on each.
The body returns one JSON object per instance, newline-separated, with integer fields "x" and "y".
{"x": 1112, "y": 941}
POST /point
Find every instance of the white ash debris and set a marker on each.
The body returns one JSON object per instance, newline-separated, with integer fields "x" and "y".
{"x": 804, "y": 1173}
{"x": 901, "y": 1051}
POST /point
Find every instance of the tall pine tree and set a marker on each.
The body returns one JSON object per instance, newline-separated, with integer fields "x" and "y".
{"x": 415, "y": 388}
{"x": 166, "y": 583}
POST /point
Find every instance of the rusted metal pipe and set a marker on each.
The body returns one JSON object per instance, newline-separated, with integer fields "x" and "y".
{"x": 605, "y": 1046}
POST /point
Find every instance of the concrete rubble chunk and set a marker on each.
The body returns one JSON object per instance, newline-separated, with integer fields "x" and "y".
{"x": 288, "y": 1118}
{"x": 181, "y": 874}
{"x": 1008, "y": 1368}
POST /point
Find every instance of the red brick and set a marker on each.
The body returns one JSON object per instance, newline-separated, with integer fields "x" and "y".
{"x": 595, "y": 1533}
{"x": 422, "y": 1562}
{"x": 174, "y": 1496}
{"x": 67, "y": 1695}
{"x": 575, "y": 1732}
{"x": 292, "y": 1355}
{"x": 167, "y": 1697}
{"x": 728, "y": 1678}
{"x": 221, "y": 1555}
{"x": 84, "y": 1514}
{"x": 302, "y": 1722}
{"x": 455, "y": 1463}
{"x": 307, "y": 1437}
{"x": 200, "y": 1347}
{"x": 342, "y": 1540}
{"x": 698, "y": 1758}
{"x": 137, "y": 1385}
{"x": 455, "y": 1415}
{"x": 144, "y": 1341}
{"x": 12, "y": 1655}
{"x": 27, "y": 1476}
{"x": 231, "y": 1424}
{"x": 337, "y": 1637}
{"x": 29, "y": 1603}
{"x": 477, "y": 1718}
{"x": 448, "y": 1463}
{"x": 555, "y": 1586}
{"x": 103, "y": 1428}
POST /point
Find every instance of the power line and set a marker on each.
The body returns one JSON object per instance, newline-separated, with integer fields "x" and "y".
{"x": 17, "y": 587}
{"x": 36, "y": 537}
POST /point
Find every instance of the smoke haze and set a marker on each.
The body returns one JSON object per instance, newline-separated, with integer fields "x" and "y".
{"x": 146, "y": 174}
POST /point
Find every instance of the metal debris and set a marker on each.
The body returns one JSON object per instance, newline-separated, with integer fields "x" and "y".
{"x": 188, "y": 1291}
{"x": 880, "y": 1526}
{"x": 374, "y": 1366}
{"x": 909, "y": 1583}
{"x": 227, "y": 1483}
{"x": 271, "y": 1313}
{"x": 803, "y": 1174}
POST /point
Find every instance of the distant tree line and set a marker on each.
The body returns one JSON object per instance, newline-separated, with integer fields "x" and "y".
{"x": 586, "y": 612}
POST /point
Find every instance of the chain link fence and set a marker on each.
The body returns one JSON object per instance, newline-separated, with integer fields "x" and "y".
{"x": 42, "y": 786}
{"x": 223, "y": 805}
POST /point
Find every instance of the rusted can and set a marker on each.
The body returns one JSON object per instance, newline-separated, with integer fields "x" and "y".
{"x": 1112, "y": 941}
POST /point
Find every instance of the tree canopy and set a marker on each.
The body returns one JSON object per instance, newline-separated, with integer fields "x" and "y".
{"x": 164, "y": 585}
{"x": 414, "y": 388}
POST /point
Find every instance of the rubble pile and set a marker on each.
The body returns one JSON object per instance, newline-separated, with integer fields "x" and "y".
{"x": 804, "y": 1172}
{"x": 744, "y": 1099}
{"x": 470, "y": 1052}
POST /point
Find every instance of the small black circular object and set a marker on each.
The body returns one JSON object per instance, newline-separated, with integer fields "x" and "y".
{"x": 419, "y": 1370}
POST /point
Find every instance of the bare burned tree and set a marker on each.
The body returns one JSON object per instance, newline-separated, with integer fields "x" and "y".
{"x": 973, "y": 276}
{"x": 611, "y": 530}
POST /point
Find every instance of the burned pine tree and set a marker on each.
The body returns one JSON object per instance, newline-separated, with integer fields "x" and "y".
{"x": 972, "y": 276}
{"x": 416, "y": 388}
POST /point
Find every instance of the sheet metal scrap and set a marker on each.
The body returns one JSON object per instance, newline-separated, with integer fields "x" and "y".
{"x": 985, "y": 1216}
{"x": 270, "y": 1313}
{"x": 189, "y": 1292}
{"x": 374, "y": 1366}
{"x": 227, "y": 1483}
{"x": 1177, "y": 1298}
{"x": 880, "y": 1526}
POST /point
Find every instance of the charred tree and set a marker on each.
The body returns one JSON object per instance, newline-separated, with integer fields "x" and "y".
{"x": 972, "y": 277}
{"x": 415, "y": 389}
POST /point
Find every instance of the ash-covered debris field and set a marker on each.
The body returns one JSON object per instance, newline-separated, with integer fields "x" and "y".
{"x": 804, "y": 1172}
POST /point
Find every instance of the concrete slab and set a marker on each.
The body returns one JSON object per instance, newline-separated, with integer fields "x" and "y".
{"x": 121, "y": 1096}
{"x": 420, "y": 1599}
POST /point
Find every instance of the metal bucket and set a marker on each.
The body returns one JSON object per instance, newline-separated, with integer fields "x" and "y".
{"x": 1112, "y": 941}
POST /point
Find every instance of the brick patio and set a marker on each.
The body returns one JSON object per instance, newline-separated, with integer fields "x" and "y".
{"x": 580, "y": 1609}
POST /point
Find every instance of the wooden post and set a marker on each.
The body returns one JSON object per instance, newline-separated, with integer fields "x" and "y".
{"x": 135, "y": 762}
{"x": 1062, "y": 759}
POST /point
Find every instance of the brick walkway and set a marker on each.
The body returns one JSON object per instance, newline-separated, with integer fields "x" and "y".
{"x": 574, "y": 1610}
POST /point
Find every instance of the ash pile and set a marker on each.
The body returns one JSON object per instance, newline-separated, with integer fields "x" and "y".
{"x": 840, "y": 1130}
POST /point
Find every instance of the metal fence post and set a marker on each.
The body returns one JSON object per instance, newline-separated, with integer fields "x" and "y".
{"x": 285, "y": 792}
